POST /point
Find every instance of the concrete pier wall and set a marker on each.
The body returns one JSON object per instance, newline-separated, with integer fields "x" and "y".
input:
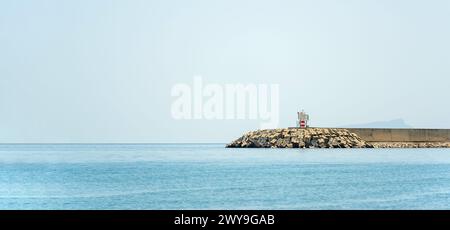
{"x": 314, "y": 137}
{"x": 402, "y": 135}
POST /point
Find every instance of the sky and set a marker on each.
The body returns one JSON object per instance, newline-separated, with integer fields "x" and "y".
{"x": 98, "y": 71}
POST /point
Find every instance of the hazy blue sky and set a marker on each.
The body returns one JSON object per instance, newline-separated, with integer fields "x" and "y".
{"x": 102, "y": 70}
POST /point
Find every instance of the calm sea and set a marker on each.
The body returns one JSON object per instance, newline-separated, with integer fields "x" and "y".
{"x": 209, "y": 176}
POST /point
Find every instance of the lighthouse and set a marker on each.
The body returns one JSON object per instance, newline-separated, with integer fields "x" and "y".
{"x": 303, "y": 119}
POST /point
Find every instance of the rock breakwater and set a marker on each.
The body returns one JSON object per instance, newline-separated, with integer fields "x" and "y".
{"x": 321, "y": 138}
{"x": 300, "y": 138}
{"x": 411, "y": 144}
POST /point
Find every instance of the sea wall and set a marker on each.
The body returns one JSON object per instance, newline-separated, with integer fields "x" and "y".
{"x": 344, "y": 138}
{"x": 402, "y": 135}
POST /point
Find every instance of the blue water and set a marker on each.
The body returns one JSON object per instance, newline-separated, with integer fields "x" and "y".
{"x": 209, "y": 176}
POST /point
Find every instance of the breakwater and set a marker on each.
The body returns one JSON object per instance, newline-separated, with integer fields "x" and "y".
{"x": 402, "y": 135}
{"x": 344, "y": 138}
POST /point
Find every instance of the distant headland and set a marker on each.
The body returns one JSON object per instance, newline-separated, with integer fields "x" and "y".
{"x": 307, "y": 137}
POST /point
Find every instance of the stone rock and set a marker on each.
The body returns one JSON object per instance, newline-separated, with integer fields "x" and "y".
{"x": 317, "y": 138}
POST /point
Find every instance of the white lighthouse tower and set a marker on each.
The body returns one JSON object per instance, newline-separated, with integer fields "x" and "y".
{"x": 303, "y": 119}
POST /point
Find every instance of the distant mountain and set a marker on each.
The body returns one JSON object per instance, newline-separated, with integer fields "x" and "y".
{"x": 397, "y": 123}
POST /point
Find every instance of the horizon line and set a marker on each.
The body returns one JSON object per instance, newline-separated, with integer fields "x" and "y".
{"x": 104, "y": 143}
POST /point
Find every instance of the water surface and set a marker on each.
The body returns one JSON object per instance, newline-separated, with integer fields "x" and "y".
{"x": 209, "y": 176}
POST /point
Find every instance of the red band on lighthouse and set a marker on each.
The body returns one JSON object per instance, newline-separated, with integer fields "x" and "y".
{"x": 302, "y": 124}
